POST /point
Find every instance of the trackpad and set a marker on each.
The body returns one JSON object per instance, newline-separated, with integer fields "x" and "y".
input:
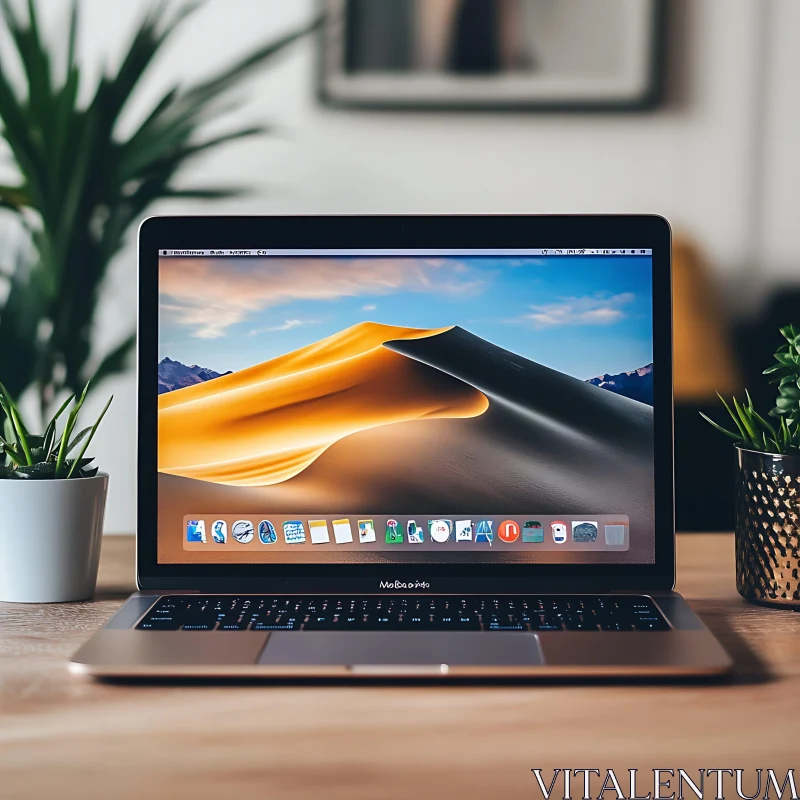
{"x": 357, "y": 649}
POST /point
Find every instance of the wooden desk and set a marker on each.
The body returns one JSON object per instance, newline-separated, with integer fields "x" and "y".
{"x": 65, "y": 737}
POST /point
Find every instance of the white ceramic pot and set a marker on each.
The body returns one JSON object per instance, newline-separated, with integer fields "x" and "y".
{"x": 50, "y": 533}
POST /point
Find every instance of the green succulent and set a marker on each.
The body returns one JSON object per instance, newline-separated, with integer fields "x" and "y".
{"x": 84, "y": 183}
{"x": 49, "y": 456}
{"x": 754, "y": 431}
{"x": 786, "y": 373}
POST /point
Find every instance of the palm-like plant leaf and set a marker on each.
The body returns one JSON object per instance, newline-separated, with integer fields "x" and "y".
{"x": 87, "y": 186}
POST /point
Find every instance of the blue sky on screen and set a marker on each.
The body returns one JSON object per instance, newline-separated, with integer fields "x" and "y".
{"x": 583, "y": 316}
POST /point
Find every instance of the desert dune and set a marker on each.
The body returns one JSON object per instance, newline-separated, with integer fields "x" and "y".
{"x": 265, "y": 424}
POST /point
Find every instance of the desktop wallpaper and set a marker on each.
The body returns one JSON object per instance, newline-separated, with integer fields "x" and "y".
{"x": 368, "y": 386}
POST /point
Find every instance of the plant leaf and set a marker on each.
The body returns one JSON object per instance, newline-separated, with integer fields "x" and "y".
{"x": 8, "y": 429}
{"x": 50, "y": 432}
{"x": 45, "y": 470}
{"x": 773, "y": 368}
{"x": 221, "y": 193}
{"x": 734, "y": 417}
{"x": 19, "y": 429}
{"x": 720, "y": 428}
{"x": 114, "y": 362}
{"x": 245, "y": 66}
{"x": 155, "y": 159}
{"x": 90, "y": 436}
{"x": 78, "y": 439}
{"x": 768, "y": 428}
{"x": 790, "y": 390}
{"x": 13, "y": 456}
{"x": 67, "y": 432}
{"x": 747, "y": 422}
{"x": 786, "y": 359}
{"x": 77, "y": 464}
{"x": 13, "y": 198}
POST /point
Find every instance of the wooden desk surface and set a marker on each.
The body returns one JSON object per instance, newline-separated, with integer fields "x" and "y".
{"x": 65, "y": 737}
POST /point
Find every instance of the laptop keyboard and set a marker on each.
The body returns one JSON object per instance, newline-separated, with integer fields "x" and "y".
{"x": 398, "y": 613}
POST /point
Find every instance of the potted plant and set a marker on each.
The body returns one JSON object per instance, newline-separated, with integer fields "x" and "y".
{"x": 52, "y": 503}
{"x": 88, "y": 169}
{"x": 767, "y": 475}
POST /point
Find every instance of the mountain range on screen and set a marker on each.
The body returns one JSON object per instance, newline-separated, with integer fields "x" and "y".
{"x": 636, "y": 384}
{"x": 173, "y": 375}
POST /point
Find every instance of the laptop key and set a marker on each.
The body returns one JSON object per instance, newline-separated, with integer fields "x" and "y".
{"x": 648, "y": 625}
{"x": 536, "y": 625}
{"x": 159, "y": 625}
{"x": 258, "y": 626}
{"x": 240, "y": 625}
{"x": 507, "y": 628}
{"x": 581, "y": 626}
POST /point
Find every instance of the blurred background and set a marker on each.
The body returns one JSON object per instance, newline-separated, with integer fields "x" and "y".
{"x": 685, "y": 108}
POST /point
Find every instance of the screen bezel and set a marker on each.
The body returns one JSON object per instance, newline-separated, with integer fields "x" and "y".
{"x": 408, "y": 232}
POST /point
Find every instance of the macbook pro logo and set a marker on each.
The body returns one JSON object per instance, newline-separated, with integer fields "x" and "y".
{"x": 404, "y": 585}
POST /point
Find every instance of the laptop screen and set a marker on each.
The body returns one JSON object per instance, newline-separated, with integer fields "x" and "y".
{"x": 439, "y": 406}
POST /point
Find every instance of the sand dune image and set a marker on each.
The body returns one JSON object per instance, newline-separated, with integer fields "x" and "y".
{"x": 264, "y": 425}
{"x": 389, "y": 418}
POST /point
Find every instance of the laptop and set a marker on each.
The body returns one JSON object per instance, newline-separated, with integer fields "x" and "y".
{"x": 415, "y": 447}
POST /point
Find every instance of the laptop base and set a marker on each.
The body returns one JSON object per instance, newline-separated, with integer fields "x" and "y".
{"x": 119, "y": 650}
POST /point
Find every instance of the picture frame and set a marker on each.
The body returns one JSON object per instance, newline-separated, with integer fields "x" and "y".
{"x": 491, "y": 55}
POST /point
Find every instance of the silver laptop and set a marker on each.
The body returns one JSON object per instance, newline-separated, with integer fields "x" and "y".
{"x": 404, "y": 446}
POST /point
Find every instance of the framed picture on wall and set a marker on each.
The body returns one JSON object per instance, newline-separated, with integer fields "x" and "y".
{"x": 491, "y": 54}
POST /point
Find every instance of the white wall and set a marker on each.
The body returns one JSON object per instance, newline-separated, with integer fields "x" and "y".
{"x": 780, "y": 195}
{"x": 698, "y": 161}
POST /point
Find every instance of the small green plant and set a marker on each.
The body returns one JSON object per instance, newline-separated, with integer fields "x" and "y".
{"x": 51, "y": 455}
{"x": 756, "y": 432}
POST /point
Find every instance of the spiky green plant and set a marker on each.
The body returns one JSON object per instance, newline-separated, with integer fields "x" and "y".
{"x": 46, "y": 457}
{"x": 83, "y": 184}
{"x": 756, "y": 432}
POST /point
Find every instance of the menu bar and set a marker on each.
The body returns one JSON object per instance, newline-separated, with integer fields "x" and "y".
{"x": 508, "y": 253}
